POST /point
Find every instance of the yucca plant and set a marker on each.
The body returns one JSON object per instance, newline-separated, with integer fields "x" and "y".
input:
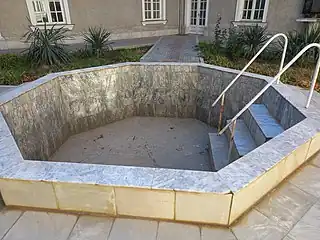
{"x": 253, "y": 39}
{"x": 298, "y": 40}
{"x": 46, "y": 45}
{"x": 98, "y": 40}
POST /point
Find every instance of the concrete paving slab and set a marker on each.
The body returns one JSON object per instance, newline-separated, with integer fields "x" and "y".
{"x": 208, "y": 233}
{"x": 93, "y": 228}
{"x": 308, "y": 227}
{"x": 7, "y": 220}
{"x": 308, "y": 179}
{"x": 42, "y": 225}
{"x": 133, "y": 229}
{"x": 174, "y": 231}
{"x": 286, "y": 205}
{"x": 174, "y": 49}
{"x": 257, "y": 226}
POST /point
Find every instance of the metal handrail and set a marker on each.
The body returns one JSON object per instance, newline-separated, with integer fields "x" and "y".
{"x": 222, "y": 95}
{"x": 276, "y": 78}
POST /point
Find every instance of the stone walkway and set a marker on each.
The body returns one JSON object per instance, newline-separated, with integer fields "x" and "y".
{"x": 173, "y": 49}
{"x": 290, "y": 212}
{"x": 5, "y": 88}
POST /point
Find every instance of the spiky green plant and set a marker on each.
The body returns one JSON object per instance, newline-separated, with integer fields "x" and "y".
{"x": 98, "y": 40}
{"x": 298, "y": 40}
{"x": 46, "y": 45}
{"x": 252, "y": 39}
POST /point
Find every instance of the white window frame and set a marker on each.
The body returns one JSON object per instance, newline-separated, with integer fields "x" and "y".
{"x": 240, "y": 8}
{"x": 64, "y": 9}
{"x": 163, "y": 16}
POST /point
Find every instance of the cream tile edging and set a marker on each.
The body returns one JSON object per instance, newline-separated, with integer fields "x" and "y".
{"x": 28, "y": 194}
{"x": 202, "y": 197}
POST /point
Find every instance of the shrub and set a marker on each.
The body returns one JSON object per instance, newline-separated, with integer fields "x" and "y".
{"x": 233, "y": 45}
{"x": 46, "y": 46}
{"x": 9, "y": 61}
{"x": 219, "y": 35}
{"x": 252, "y": 40}
{"x": 298, "y": 40}
{"x": 98, "y": 39}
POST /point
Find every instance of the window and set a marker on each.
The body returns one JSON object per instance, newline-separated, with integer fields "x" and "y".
{"x": 153, "y": 11}
{"x": 48, "y": 11}
{"x": 252, "y": 10}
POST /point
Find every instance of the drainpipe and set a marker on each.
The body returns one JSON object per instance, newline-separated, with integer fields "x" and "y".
{"x": 181, "y": 14}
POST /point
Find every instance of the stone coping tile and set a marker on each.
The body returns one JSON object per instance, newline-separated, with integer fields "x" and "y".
{"x": 189, "y": 181}
{"x": 119, "y": 176}
{"x": 9, "y": 152}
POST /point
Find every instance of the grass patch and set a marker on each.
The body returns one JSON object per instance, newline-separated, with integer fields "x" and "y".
{"x": 16, "y": 69}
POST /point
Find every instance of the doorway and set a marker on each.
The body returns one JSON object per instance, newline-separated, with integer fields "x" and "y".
{"x": 197, "y": 16}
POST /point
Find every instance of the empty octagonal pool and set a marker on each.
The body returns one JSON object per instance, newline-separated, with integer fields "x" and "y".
{"x": 140, "y": 139}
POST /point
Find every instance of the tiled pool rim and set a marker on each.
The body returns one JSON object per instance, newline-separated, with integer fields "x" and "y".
{"x": 181, "y": 195}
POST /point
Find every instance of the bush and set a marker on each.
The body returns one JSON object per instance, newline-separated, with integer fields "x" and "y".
{"x": 299, "y": 40}
{"x": 46, "y": 46}
{"x": 97, "y": 39}
{"x": 9, "y": 61}
{"x": 234, "y": 45}
{"x": 252, "y": 40}
{"x": 219, "y": 35}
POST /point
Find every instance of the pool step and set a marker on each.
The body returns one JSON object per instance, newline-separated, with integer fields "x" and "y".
{"x": 256, "y": 127}
{"x": 261, "y": 124}
{"x": 243, "y": 142}
{"x": 218, "y": 150}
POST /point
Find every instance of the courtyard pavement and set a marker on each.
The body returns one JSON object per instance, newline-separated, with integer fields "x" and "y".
{"x": 290, "y": 212}
{"x": 174, "y": 49}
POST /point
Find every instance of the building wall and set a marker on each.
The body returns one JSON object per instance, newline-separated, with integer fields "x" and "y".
{"x": 282, "y": 15}
{"x": 13, "y": 18}
{"x": 121, "y": 17}
{"x": 226, "y": 9}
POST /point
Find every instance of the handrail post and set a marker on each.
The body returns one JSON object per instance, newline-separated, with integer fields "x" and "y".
{"x": 314, "y": 81}
{"x": 221, "y": 112}
{"x": 283, "y": 57}
{"x": 233, "y": 129}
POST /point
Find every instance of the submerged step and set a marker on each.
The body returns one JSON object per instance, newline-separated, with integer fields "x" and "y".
{"x": 243, "y": 142}
{"x": 218, "y": 151}
{"x": 261, "y": 124}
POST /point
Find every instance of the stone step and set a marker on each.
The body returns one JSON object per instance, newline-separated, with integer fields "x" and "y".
{"x": 243, "y": 142}
{"x": 261, "y": 124}
{"x": 218, "y": 151}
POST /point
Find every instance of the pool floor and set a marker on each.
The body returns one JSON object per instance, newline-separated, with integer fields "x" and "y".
{"x": 142, "y": 141}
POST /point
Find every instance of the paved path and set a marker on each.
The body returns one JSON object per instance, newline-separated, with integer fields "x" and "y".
{"x": 173, "y": 49}
{"x": 290, "y": 212}
{"x": 5, "y": 88}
